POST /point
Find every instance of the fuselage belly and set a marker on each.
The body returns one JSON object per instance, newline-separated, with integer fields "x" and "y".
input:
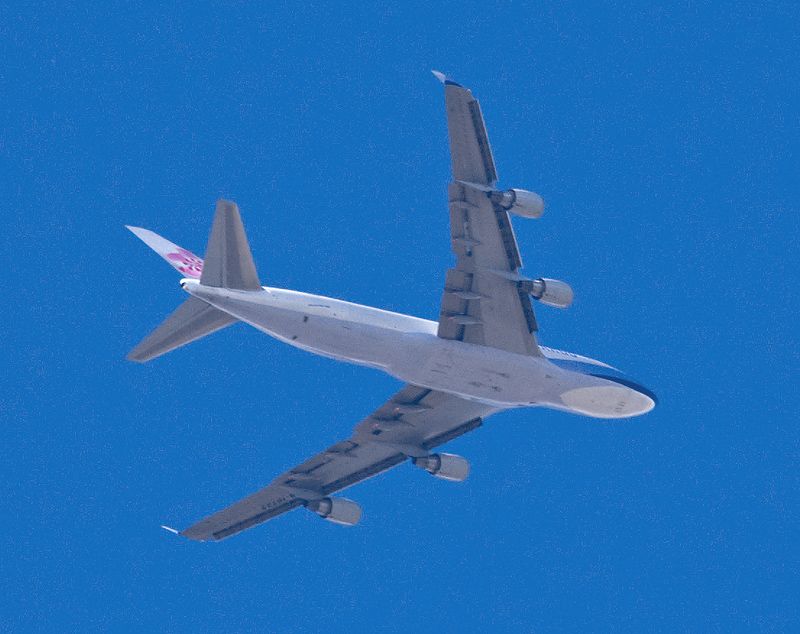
{"x": 409, "y": 349}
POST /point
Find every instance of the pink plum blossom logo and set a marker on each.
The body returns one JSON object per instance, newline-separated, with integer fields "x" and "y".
{"x": 187, "y": 263}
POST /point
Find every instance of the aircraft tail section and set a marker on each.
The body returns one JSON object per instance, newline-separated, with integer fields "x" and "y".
{"x": 228, "y": 264}
{"x": 192, "y": 320}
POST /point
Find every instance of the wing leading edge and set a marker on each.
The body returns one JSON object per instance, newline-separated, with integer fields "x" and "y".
{"x": 411, "y": 423}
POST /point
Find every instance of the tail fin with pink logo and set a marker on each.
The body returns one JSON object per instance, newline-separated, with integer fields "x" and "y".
{"x": 228, "y": 264}
{"x": 182, "y": 260}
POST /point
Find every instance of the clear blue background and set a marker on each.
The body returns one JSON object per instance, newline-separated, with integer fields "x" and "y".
{"x": 665, "y": 141}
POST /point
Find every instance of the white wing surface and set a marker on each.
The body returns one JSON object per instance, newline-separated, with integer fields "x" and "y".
{"x": 411, "y": 423}
{"x": 483, "y": 302}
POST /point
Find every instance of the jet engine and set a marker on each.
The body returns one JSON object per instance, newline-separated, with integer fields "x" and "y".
{"x": 551, "y": 292}
{"x": 337, "y": 510}
{"x": 445, "y": 466}
{"x": 519, "y": 202}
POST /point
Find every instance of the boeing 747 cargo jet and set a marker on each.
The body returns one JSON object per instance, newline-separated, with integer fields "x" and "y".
{"x": 479, "y": 358}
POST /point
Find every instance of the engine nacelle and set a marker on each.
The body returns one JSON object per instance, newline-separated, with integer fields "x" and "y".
{"x": 337, "y": 510}
{"x": 551, "y": 292}
{"x": 446, "y": 466}
{"x": 519, "y": 202}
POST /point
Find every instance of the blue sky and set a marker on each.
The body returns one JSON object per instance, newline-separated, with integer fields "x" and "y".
{"x": 665, "y": 141}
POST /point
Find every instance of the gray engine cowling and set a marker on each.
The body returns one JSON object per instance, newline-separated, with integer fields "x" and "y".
{"x": 551, "y": 292}
{"x": 337, "y": 510}
{"x": 446, "y": 466}
{"x": 519, "y": 202}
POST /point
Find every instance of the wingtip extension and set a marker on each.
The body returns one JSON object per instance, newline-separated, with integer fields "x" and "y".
{"x": 169, "y": 529}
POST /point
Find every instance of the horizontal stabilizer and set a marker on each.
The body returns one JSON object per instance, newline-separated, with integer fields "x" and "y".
{"x": 229, "y": 263}
{"x": 193, "y": 319}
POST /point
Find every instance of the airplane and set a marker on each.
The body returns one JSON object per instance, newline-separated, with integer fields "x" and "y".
{"x": 481, "y": 356}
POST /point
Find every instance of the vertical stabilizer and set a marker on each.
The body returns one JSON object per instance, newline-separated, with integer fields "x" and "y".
{"x": 228, "y": 262}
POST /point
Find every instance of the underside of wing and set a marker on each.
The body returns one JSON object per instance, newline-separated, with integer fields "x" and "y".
{"x": 484, "y": 301}
{"x": 470, "y": 151}
{"x": 409, "y": 425}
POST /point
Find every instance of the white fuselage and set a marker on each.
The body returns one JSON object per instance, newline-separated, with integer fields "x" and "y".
{"x": 409, "y": 349}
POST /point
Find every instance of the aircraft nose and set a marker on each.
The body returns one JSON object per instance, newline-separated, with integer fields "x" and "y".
{"x": 643, "y": 402}
{"x": 647, "y": 395}
{"x": 632, "y": 399}
{"x": 645, "y": 398}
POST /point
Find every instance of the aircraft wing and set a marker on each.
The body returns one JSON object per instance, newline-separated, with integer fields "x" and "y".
{"x": 409, "y": 424}
{"x": 483, "y": 302}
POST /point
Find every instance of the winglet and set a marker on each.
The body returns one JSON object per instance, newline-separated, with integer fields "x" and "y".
{"x": 443, "y": 78}
{"x": 170, "y": 529}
